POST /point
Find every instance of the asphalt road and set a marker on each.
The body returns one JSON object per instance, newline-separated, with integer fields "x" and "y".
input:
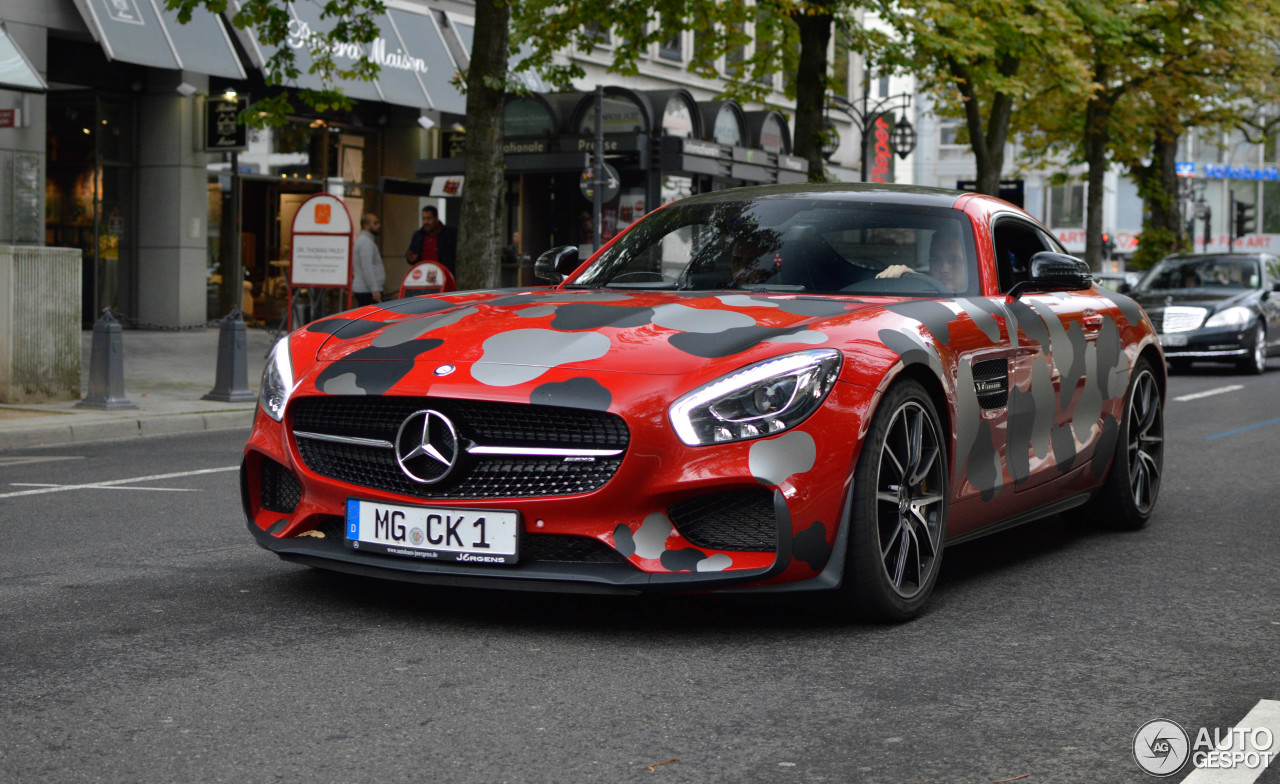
{"x": 144, "y": 637}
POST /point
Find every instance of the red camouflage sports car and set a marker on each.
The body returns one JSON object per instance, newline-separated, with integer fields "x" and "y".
{"x": 765, "y": 389}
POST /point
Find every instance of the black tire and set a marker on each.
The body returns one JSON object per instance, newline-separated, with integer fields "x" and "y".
{"x": 1255, "y": 364}
{"x": 1133, "y": 483}
{"x": 897, "y": 529}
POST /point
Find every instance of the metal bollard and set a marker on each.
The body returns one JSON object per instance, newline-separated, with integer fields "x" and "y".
{"x": 232, "y": 382}
{"x": 106, "y": 366}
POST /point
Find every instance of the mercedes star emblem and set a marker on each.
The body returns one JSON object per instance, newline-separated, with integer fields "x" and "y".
{"x": 427, "y": 446}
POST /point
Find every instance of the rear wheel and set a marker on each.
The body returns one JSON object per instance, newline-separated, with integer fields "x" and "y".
{"x": 1256, "y": 363}
{"x": 1131, "y": 489}
{"x": 899, "y": 517}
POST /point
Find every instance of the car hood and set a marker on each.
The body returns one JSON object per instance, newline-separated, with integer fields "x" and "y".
{"x": 1199, "y": 298}
{"x": 506, "y": 335}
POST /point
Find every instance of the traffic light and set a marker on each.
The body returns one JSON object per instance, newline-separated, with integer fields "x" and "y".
{"x": 1245, "y": 222}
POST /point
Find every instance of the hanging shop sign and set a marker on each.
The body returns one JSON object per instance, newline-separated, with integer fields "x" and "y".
{"x": 223, "y": 131}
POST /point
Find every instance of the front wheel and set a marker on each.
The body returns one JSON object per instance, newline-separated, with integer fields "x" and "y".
{"x": 898, "y": 520}
{"x": 1256, "y": 363}
{"x": 1131, "y": 489}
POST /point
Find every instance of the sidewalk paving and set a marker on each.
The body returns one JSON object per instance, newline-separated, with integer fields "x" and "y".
{"x": 165, "y": 376}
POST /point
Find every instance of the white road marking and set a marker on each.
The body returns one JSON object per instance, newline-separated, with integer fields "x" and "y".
{"x": 107, "y": 487}
{"x": 13, "y": 461}
{"x": 95, "y": 485}
{"x": 1209, "y": 393}
{"x": 1265, "y": 714}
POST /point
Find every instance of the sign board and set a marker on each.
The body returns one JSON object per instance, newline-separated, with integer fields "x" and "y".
{"x": 10, "y": 118}
{"x": 322, "y": 238}
{"x": 446, "y": 187}
{"x": 321, "y": 260}
{"x": 612, "y": 183}
{"x": 223, "y": 130}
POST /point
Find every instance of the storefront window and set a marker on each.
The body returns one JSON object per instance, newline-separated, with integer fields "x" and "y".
{"x": 1066, "y": 206}
{"x": 621, "y": 115}
{"x": 527, "y": 117}
{"x": 677, "y": 118}
{"x": 1270, "y": 207}
{"x": 773, "y": 135}
{"x": 89, "y": 194}
{"x": 727, "y": 129}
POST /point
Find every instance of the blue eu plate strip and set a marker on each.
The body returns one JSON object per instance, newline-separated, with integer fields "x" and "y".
{"x": 353, "y": 519}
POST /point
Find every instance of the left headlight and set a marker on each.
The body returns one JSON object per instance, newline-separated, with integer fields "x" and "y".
{"x": 1231, "y": 317}
{"x": 757, "y": 400}
{"x": 277, "y": 381}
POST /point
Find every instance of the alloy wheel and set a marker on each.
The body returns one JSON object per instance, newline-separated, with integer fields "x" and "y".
{"x": 1260, "y": 349}
{"x": 1146, "y": 442}
{"x": 910, "y": 483}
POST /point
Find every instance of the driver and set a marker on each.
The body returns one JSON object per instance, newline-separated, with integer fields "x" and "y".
{"x": 946, "y": 264}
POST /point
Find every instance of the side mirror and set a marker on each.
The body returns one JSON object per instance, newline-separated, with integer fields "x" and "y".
{"x": 1055, "y": 272}
{"x": 1124, "y": 288}
{"x": 556, "y": 264}
{"x": 1275, "y": 286}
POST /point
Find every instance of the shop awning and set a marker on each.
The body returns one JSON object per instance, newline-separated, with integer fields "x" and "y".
{"x": 143, "y": 33}
{"x": 414, "y": 63}
{"x": 15, "y": 68}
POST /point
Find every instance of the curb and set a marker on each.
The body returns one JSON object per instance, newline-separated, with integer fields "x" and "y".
{"x": 116, "y": 429}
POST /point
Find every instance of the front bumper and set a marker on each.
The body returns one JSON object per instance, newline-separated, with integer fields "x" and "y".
{"x": 332, "y": 553}
{"x": 1225, "y": 344}
{"x": 799, "y": 515}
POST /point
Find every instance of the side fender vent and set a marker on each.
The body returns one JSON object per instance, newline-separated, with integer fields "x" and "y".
{"x": 991, "y": 382}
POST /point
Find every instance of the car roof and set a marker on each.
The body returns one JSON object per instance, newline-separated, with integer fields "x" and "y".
{"x": 867, "y": 192}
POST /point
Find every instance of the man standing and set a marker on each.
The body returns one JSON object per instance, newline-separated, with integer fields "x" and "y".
{"x": 367, "y": 273}
{"x": 434, "y": 241}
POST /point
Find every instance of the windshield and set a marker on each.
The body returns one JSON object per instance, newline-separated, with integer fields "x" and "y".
{"x": 812, "y": 245}
{"x": 1205, "y": 272}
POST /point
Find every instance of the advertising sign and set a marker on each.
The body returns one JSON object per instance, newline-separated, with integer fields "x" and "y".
{"x": 322, "y": 238}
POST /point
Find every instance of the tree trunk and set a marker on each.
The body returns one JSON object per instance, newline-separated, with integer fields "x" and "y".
{"x": 483, "y": 225}
{"x": 811, "y": 85}
{"x": 1162, "y": 229}
{"x": 1097, "y": 134}
{"x": 987, "y": 142}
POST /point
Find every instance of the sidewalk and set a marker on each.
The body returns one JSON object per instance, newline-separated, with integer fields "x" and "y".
{"x": 165, "y": 375}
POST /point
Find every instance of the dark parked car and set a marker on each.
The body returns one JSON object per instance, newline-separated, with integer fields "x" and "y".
{"x": 1215, "y": 308}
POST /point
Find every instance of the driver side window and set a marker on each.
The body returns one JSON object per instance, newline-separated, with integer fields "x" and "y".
{"x": 1015, "y": 243}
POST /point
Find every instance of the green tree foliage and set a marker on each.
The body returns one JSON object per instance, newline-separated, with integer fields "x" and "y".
{"x": 356, "y": 23}
{"x": 985, "y": 61}
{"x": 1157, "y": 68}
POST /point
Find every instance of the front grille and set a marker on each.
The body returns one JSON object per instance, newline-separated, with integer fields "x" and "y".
{"x": 280, "y": 489}
{"x": 481, "y": 423}
{"x": 1182, "y": 319}
{"x": 741, "y": 520}
{"x": 566, "y": 549}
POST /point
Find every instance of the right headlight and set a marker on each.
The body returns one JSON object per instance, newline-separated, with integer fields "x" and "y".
{"x": 1231, "y": 317}
{"x": 277, "y": 381}
{"x": 757, "y": 400}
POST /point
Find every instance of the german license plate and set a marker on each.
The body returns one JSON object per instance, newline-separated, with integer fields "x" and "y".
{"x": 1173, "y": 340}
{"x": 477, "y": 536}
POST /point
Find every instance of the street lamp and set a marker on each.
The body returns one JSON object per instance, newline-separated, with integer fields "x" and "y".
{"x": 902, "y": 139}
